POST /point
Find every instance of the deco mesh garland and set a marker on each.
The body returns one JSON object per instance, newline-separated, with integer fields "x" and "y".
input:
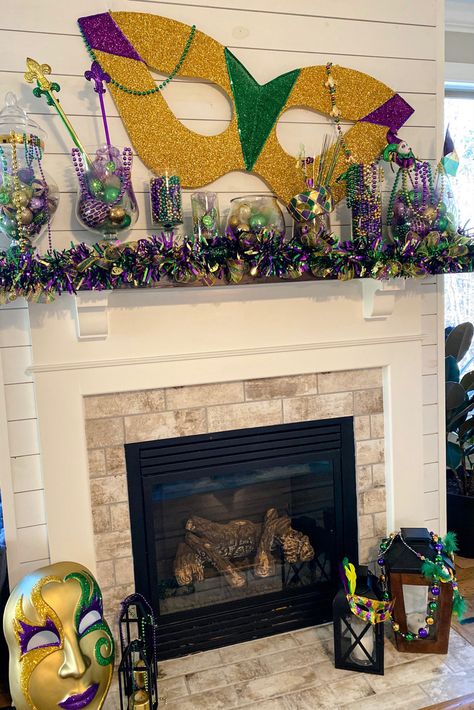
{"x": 223, "y": 259}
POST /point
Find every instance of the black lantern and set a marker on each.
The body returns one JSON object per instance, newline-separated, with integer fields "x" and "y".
{"x": 422, "y": 606}
{"x": 138, "y": 665}
{"x": 358, "y": 643}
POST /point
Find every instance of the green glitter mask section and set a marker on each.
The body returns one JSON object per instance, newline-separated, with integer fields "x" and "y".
{"x": 90, "y": 591}
{"x": 257, "y": 106}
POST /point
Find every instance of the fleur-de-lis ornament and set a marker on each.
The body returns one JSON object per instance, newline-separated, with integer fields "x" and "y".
{"x": 44, "y": 87}
{"x": 98, "y": 76}
{"x": 36, "y": 72}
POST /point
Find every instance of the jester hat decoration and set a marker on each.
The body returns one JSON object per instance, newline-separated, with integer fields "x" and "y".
{"x": 373, "y": 611}
{"x": 61, "y": 648}
{"x": 128, "y": 44}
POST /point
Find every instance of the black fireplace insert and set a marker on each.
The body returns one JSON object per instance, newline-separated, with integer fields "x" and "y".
{"x": 239, "y": 534}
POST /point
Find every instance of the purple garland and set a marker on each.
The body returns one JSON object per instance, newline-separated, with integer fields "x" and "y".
{"x": 223, "y": 259}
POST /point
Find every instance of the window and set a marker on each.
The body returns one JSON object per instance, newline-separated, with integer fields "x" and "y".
{"x": 459, "y": 116}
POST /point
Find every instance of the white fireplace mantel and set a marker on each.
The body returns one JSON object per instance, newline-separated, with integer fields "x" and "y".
{"x": 378, "y": 302}
{"x": 175, "y": 337}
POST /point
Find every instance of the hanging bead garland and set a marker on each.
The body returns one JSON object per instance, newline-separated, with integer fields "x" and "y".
{"x": 336, "y": 113}
{"x": 156, "y": 89}
{"x": 438, "y": 572}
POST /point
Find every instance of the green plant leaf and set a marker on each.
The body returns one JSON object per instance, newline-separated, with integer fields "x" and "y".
{"x": 459, "y": 340}
{"x": 467, "y": 429}
{"x": 455, "y": 395}
{"x": 468, "y": 381}
{"x": 464, "y": 411}
{"x": 451, "y": 369}
{"x": 453, "y": 455}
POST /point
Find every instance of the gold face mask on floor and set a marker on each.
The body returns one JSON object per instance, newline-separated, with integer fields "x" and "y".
{"x": 126, "y": 43}
{"x": 61, "y": 648}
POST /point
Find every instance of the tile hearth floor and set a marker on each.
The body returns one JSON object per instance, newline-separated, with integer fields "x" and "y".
{"x": 295, "y": 671}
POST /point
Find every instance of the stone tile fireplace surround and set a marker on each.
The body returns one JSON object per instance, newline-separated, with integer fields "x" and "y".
{"x": 116, "y": 419}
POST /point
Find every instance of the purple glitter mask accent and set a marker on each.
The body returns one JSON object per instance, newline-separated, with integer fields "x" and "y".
{"x": 393, "y": 113}
{"x": 28, "y": 631}
{"x": 103, "y": 33}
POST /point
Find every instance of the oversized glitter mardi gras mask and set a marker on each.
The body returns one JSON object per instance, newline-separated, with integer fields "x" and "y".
{"x": 126, "y": 43}
{"x": 61, "y": 648}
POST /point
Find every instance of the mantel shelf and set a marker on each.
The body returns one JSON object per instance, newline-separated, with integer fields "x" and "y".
{"x": 91, "y": 307}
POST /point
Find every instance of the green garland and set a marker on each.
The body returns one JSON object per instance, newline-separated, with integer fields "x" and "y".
{"x": 223, "y": 259}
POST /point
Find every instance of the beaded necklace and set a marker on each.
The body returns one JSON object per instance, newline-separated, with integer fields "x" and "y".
{"x": 156, "y": 89}
{"x": 336, "y": 113}
{"x": 441, "y": 573}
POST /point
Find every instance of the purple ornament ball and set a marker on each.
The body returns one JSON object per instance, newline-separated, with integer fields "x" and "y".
{"x": 36, "y": 203}
{"x": 423, "y": 633}
{"x": 26, "y": 175}
{"x": 438, "y": 547}
{"x": 435, "y": 591}
{"x": 381, "y": 561}
{"x": 399, "y": 210}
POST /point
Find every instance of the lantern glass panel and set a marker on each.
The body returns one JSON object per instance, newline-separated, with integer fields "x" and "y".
{"x": 415, "y": 598}
{"x": 363, "y": 652}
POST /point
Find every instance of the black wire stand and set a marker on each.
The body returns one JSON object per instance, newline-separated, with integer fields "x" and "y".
{"x": 138, "y": 669}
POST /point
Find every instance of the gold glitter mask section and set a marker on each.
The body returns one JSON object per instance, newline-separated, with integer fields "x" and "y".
{"x": 162, "y": 141}
{"x": 31, "y": 659}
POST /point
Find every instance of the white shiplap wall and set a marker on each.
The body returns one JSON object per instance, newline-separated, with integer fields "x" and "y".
{"x": 397, "y": 43}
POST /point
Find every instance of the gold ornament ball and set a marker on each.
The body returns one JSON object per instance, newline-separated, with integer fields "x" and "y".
{"x": 429, "y": 620}
{"x": 244, "y": 212}
{"x": 116, "y": 214}
{"x": 26, "y": 215}
{"x": 20, "y": 198}
{"x": 233, "y": 221}
{"x": 396, "y": 627}
{"x": 241, "y": 228}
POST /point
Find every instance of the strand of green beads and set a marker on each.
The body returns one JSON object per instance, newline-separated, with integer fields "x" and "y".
{"x": 392, "y": 198}
{"x": 156, "y": 89}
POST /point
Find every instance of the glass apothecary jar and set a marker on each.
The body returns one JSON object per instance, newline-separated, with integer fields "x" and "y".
{"x": 206, "y": 217}
{"x": 165, "y": 200}
{"x": 28, "y": 196}
{"x": 253, "y": 214}
{"x": 106, "y": 203}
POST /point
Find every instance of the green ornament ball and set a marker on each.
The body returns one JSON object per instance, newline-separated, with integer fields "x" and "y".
{"x": 442, "y": 209}
{"x": 126, "y": 222}
{"x": 433, "y": 606}
{"x": 110, "y": 166}
{"x": 207, "y": 221}
{"x": 96, "y": 186}
{"x": 442, "y": 224}
{"x": 409, "y": 636}
{"x": 111, "y": 193}
{"x": 257, "y": 222}
{"x": 4, "y": 197}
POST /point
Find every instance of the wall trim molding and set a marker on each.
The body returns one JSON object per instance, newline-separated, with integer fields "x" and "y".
{"x": 216, "y": 354}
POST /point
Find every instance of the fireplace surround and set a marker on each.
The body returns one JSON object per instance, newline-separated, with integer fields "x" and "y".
{"x": 239, "y": 534}
{"x": 116, "y": 422}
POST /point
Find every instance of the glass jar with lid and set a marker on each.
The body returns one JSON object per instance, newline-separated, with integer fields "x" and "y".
{"x": 28, "y": 196}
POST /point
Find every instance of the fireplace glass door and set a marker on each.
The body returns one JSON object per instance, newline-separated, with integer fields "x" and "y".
{"x": 238, "y": 534}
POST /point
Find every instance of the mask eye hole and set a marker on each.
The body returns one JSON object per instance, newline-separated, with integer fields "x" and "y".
{"x": 91, "y": 617}
{"x": 32, "y": 637}
{"x": 43, "y": 638}
{"x": 199, "y": 105}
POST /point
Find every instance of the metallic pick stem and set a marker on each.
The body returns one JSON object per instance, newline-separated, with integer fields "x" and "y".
{"x": 36, "y": 72}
